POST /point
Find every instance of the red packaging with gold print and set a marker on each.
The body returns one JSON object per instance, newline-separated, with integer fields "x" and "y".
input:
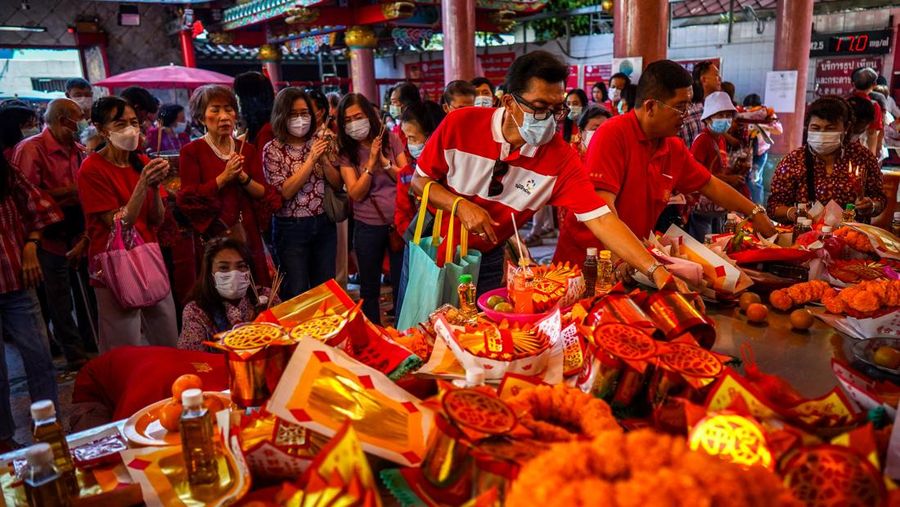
{"x": 674, "y": 316}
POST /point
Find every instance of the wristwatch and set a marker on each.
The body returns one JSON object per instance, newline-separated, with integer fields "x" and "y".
{"x": 756, "y": 211}
{"x": 652, "y": 269}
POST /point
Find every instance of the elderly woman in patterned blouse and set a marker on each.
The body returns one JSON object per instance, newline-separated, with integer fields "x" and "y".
{"x": 827, "y": 167}
{"x": 222, "y": 296}
{"x": 295, "y": 163}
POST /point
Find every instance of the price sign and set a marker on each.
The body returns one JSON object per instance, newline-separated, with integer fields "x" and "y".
{"x": 872, "y": 42}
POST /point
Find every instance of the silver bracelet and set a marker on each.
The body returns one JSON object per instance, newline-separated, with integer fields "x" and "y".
{"x": 652, "y": 269}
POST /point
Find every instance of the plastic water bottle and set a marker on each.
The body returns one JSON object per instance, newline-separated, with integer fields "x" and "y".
{"x": 48, "y": 430}
{"x": 731, "y": 224}
{"x": 44, "y": 486}
{"x": 523, "y": 288}
{"x": 197, "y": 444}
{"x": 606, "y": 276}
{"x": 590, "y": 273}
{"x": 466, "y": 291}
{"x": 849, "y": 214}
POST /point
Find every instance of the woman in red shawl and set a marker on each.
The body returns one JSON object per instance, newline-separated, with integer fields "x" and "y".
{"x": 223, "y": 190}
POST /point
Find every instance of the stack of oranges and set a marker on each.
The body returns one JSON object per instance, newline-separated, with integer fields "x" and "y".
{"x": 170, "y": 414}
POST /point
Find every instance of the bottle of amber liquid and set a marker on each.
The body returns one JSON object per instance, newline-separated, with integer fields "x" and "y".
{"x": 606, "y": 276}
{"x": 44, "y": 486}
{"x": 197, "y": 440}
{"x": 523, "y": 288}
{"x": 48, "y": 430}
{"x": 466, "y": 291}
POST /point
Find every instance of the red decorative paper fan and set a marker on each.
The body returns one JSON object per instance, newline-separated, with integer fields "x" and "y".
{"x": 691, "y": 360}
{"x": 479, "y": 411}
{"x": 833, "y": 476}
{"x": 626, "y": 342}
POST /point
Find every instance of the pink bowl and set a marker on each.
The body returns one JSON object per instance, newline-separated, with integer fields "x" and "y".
{"x": 519, "y": 318}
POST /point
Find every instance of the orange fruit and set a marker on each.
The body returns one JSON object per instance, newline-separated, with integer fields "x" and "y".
{"x": 757, "y": 312}
{"x": 801, "y": 319}
{"x": 183, "y": 383}
{"x": 213, "y": 404}
{"x": 747, "y": 299}
{"x": 170, "y": 416}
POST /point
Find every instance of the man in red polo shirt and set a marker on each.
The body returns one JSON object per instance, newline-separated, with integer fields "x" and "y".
{"x": 636, "y": 161}
{"x": 509, "y": 162}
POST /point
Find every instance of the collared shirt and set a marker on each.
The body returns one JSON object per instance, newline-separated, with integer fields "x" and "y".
{"x": 200, "y": 326}
{"x": 280, "y": 161}
{"x": 693, "y": 125}
{"x": 462, "y": 155}
{"x": 710, "y": 150}
{"x": 790, "y": 183}
{"x": 642, "y": 172}
{"x": 46, "y": 163}
{"x": 878, "y": 122}
{"x": 26, "y": 209}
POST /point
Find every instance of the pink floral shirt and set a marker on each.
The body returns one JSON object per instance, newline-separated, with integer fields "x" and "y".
{"x": 198, "y": 326}
{"x": 280, "y": 161}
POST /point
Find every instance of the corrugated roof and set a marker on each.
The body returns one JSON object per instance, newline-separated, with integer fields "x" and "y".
{"x": 694, "y": 8}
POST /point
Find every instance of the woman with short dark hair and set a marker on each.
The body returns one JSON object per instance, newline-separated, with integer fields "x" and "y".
{"x": 223, "y": 190}
{"x": 820, "y": 170}
{"x": 295, "y": 164}
{"x": 171, "y": 120}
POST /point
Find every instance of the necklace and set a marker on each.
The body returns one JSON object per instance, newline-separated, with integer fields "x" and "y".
{"x": 212, "y": 145}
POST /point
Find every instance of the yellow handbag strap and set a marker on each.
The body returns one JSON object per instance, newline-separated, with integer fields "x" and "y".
{"x": 464, "y": 234}
{"x": 420, "y": 220}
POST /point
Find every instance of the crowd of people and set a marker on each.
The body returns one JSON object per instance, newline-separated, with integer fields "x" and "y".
{"x": 215, "y": 196}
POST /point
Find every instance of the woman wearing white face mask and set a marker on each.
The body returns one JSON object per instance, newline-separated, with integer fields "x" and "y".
{"x": 588, "y": 123}
{"x": 370, "y": 158}
{"x": 820, "y": 170}
{"x": 174, "y": 125}
{"x": 295, "y": 163}
{"x": 114, "y": 182}
{"x": 576, "y": 101}
{"x": 222, "y": 296}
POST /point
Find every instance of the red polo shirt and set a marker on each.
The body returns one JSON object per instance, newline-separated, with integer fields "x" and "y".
{"x": 461, "y": 155}
{"x": 878, "y": 122}
{"x": 642, "y": 172}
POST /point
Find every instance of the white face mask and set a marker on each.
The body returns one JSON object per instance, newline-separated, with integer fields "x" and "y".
{"x": 33, "y": 131}
{"x": 299, "y": 126}
{"x": 395, "y": 111}
{"x": 586, "y": 137}
{"x": 84, "y": 103}
{"x": 535, "y": 132}
{"x": 126, "y": 139}
{"x": 614, "y": 94}
{"x": 415, "y": 149}
{"x": 484, "y": 101}
{"x": 232, "y": 285}
{"x": 824, "y": 143}
{"x": 180, "y": 127}
{"x": 575, "y": 112}
{"x": 358, "y": 129}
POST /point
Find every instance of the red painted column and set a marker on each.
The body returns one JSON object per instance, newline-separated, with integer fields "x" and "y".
{"x": 187, "y": 49}
{"x": 362, "y": 40}
{"x": 458, "y": 21}
{"x": 640, "y": 28}
{"x": 793, "y": 32}
{"x": 273, "y": 71}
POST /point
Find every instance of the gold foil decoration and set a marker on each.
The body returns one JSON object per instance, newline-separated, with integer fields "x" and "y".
{"x": 733, "y": 438}
{"x": 396, "y": 10}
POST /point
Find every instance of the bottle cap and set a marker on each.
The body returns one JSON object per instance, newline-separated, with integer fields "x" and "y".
{"x": 192, "y": 397}
{"x": 465, "y": 278}
{"x": 801, "y": 205}
{"x": 897, "y": 215}
{"x": 592, "y": 252}
{"x": 826, "y": 228}
{"x": 43, "y": 409}
{"x": 474, "y": 377}
{"x": 850, "y": 207}
{"x": 732, "y": 216}
{"x": 39, "y": 454}
{"x": 605, "y": 254}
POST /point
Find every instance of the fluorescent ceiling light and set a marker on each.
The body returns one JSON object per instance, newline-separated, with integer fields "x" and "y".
{"x": 20, "y": 28}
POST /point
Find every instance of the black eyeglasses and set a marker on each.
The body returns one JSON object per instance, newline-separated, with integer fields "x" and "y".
{"x": 541, "y": 114}
{"x": 500, "y": 169}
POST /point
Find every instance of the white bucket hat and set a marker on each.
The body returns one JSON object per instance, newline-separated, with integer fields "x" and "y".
{"x": 715, "y": 103}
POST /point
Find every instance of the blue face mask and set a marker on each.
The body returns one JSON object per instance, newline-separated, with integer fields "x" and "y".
{"x": 720, "y": 125}
{"x": 535, "y": 132}
{"x": 415, "y": 149}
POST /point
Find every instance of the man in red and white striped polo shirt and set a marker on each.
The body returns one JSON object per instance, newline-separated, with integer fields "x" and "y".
{"x": 509, "y": 161}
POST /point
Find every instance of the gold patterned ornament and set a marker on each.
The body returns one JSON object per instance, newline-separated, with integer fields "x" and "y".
{"x": 360, "y": 37}
{"x": 733, "y": 438}
{"x": 269, "y": 53}
{"x": 397, "y": 10}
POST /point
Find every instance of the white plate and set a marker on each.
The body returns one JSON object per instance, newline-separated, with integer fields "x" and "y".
{"x": 143, "y": 428}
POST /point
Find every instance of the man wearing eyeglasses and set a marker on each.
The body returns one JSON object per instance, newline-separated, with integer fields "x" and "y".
{"x": 509, "y": 161}
{"x": 636, "y": 161}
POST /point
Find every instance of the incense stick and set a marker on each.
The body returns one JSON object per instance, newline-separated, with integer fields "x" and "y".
{"x": 518, "y": 239}
{"x": 276, "y": 287}
{"x": 159, "y": 133}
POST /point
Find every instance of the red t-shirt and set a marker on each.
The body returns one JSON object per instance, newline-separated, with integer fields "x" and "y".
{"x": 104, "y": 187}
{"x": 711, "y": 151}
{"x": 461, "y": 155}
{"x": 878, "y": 122}
{"x": 642, "y": 172}
{"x": 406, "y": 208}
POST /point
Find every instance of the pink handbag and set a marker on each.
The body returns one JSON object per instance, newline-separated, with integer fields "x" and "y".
{"x": 135, "y": 273}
